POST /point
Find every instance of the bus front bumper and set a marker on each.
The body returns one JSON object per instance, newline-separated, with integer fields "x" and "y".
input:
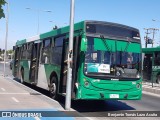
{"x": 88, "y": 94}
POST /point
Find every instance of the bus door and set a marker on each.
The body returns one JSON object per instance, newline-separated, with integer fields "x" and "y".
{"x": 34, "y": 65}
{"x": 16, "y": 62}
{"x": 63, "y": 79}
{"x": 147, "y": 66}
{"x": 63, "y": 82}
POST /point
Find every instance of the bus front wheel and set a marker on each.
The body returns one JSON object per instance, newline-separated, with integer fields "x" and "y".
{"x": 53, "y": 88}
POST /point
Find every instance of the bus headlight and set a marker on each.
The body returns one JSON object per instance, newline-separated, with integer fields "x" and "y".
{"x": 86, "y": 83}
{"x": 138, "y": 75}
{"x": 138, "y": 86}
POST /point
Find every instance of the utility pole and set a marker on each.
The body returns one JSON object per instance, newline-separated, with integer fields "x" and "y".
{"x": 70, "y": 56}
{"x": 154, "y": 31}
{"x": 146, "y": 38}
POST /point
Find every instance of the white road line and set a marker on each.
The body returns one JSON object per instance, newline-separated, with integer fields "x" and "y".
{"x": 37, "y": 118}
{"x": 14, "y": 93}
{"x": 13, "y": 98}
{"x": 32, "y": 89}
{"x": 3, "y": 89}
{"x": 146, "y": 86}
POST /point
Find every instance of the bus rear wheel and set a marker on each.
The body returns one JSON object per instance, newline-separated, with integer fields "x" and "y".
{"x": 158, "y": 79}
{"x": 53, "y": 88}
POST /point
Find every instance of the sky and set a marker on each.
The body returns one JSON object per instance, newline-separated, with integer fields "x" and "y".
{"x": 23, "y": 23}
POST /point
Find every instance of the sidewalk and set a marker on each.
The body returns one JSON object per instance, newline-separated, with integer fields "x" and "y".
{"x": 16, "y": 97}
{"x": 3, "y": 62}
{"x": 147, "y": 87}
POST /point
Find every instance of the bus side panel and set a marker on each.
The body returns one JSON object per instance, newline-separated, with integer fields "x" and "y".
{"x": 44, "y": 74}
{"x": 42, "y": 77}
{"x": 49, "y": 69}
{"x": 25, "y": 65}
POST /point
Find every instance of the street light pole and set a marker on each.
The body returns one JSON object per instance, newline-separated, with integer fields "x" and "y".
{"x": 154, "y": 30}
{"x": 38, "y": 11}
{"x": 70, "y": 56}
{"x": 6, "y": 38}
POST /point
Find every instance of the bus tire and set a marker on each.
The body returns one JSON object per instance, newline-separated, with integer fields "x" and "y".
{"x": 158, "y": 79}
{"x": 22, "y": 76}
{"x": 53, "y": 88}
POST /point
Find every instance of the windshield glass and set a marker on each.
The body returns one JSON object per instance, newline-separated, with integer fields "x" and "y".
{"x": 113, "y": 30}
{"x": 111, "y": 63}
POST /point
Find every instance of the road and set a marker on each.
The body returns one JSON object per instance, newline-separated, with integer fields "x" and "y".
{"x": 8, "y": 71}
{"x": 97, "y": 110}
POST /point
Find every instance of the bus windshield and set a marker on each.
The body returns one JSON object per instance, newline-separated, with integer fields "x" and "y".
{"x": 108, "y": 63}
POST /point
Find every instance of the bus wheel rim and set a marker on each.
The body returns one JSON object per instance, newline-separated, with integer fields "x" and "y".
{"x": 53, "y": 88}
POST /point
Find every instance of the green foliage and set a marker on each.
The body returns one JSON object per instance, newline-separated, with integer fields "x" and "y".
{"x": 2, "y": 2}
{"x": 10, "y": 52}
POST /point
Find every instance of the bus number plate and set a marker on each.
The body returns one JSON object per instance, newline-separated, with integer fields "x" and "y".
{"x": 114, "y": 96}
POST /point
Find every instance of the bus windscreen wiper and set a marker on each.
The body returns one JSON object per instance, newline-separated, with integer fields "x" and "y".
{"x": 105, "y": 43}
{"x": 128, "y": 42}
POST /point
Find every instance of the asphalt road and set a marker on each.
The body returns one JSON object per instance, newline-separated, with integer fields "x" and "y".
{"x": 7, "y": 71}
{"x": 97, "y": 110}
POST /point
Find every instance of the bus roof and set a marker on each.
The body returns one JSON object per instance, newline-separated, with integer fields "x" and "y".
{"x": 51, "y": 33}
{"x": 63, "y": 30}
{"x": 150, "y": 50}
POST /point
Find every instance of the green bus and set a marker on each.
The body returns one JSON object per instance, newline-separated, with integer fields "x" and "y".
{"x": 151, "y": 64}
{"x": 106, "y": 61}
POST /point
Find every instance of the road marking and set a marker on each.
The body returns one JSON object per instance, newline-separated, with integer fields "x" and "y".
{"x": 14, "y": 93}
{"x": 3, "y": 89}
{"x": 32, "y": 89}
{"x": 147, "y": 86}
{"x": 13, "y": 98}
{"x": 37, "y": 118}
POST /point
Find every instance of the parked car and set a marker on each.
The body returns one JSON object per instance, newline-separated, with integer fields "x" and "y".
{"x": 11, "y": 64}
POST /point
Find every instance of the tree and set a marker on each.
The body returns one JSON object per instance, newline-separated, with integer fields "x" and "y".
{"x": 10, "y": 52}
{"x": 2, "y": 2}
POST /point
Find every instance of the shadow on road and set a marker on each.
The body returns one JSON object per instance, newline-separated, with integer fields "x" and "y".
{"x": 97, "y": 105}
{"x": 100, "y": 106}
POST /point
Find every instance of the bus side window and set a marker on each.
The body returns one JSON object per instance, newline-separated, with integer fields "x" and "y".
{"x": 29, "y": 48}
{"x": 57, "y": 50}
{"x": 24, "y": 48}
{"x": 45, "y": 56}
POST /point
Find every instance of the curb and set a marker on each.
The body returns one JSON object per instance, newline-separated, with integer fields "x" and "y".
{"x": 148, "y": 88}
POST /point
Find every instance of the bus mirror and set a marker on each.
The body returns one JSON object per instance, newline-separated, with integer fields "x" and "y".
{"x": 84, "y": 44}
{"x": 14, "y": 48}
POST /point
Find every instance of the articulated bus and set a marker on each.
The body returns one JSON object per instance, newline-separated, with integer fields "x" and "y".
{"x": 151, "y": 64}
{"x": 106, "y": 61}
